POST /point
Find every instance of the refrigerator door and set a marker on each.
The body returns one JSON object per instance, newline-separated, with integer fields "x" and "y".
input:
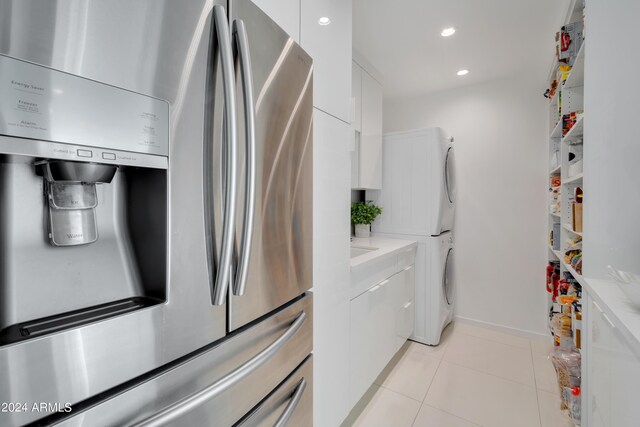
{"x": 277, "y": 254}
{"x": 219, "y": 386}
{"x": 157, "y": 48}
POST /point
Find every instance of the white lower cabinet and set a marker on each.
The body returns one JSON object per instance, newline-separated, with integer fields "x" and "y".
{"x": 613, "y": 373}
{"x": 381, "y": 322}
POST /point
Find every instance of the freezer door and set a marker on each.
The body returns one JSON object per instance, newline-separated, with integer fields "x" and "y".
{"x": 218, "y": 387}
{"x": 291, "y": 404}
{"x": 156, "y": 48}
{"x": 278, "y": 252}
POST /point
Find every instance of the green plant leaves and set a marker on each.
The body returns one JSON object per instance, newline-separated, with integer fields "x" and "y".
{"x": 364, "y": 212}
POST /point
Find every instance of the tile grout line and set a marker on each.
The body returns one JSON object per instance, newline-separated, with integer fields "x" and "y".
{"x": 535, "y": 383}
{"x": 453, "y": 415}
{"x": 496, "y": 341}
{"x": 491, "y": 375}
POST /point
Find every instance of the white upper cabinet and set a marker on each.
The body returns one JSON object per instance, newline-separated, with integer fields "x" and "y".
{"x": 371, "y": 136}
{"x": 285, "y": 13}
{"x": 366, "y": 161}
{"x": 330, "y": 47}
{"x": 356, "y": 101}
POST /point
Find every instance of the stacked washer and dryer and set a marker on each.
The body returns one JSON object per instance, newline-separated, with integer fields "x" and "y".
{"x": 418, "y": 201}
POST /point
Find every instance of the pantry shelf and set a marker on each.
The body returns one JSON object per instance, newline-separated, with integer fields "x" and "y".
{"x": 555, "y": 171}
{"x": 574, "y": 179}
{"x": 576, "y": 77}
{"x": 576, "y": 131}
{"x": 557, "y": 131}
{"x": 556, "y": 253}
{"x": 570, "y": 230}
{"x": 574, "y": 273}
{"x": 557, "y": 215}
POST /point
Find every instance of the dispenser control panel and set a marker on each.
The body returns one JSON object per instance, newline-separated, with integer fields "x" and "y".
{"x": 44, "y": 104}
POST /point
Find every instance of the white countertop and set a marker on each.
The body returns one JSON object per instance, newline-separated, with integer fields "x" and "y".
{"x": 386, "y": 247}
{"x": 619, "y": 308}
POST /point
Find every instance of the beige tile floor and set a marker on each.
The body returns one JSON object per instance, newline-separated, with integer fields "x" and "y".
{"x": 475, "y": 377}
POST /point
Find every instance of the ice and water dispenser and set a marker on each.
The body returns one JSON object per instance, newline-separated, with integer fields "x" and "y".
{"x": 83, "y": 200}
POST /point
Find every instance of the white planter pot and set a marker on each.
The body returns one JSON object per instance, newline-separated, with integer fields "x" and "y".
{"x": 363, "y": 230}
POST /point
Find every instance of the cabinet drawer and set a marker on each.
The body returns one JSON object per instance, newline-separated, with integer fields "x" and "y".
{"x": 365, "y": 355}
{"x": 407, "y": 258}
{"x": 372, "y": 274}
{"x": 409, "y": 282}
{"x": 404, "y": 323}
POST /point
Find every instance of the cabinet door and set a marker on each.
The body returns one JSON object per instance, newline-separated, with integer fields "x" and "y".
{"x": 331, "y": 272}
{"x": 356, "y": 94}
{"x": 371, "y": 135}
{"x": 598, "y": 372}
{"x": 285, "y": 13}
{"x": 330, "y": 47}
{"x": 625, "y": 377}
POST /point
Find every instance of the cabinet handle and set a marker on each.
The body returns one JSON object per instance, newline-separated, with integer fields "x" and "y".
{"x": 408, "y": 268}
{"x": 608, "y": 320}
{"x": 407, "y": 305}
{"x": 597, "y": 307}
{"x": 375, "y": 288}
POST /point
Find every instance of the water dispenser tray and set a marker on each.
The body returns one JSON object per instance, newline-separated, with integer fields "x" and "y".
{"x": 72, "y": 319}
{"x": 71, "y": 227}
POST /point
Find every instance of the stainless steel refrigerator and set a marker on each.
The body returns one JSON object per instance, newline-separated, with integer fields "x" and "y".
{"x": 155, "y": 215}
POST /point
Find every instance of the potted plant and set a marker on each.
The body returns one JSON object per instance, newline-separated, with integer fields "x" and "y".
{"x": 362, "y": 215}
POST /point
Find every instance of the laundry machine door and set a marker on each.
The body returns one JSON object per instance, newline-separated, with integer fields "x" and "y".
{"x": 449, "y": 175}
{"x": 447, "y": 283}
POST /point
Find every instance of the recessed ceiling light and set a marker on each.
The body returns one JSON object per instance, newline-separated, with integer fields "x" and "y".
{"x": 462, "y": 72}
{"x": 324, "y": 20}
{"x": 448, "y": 32}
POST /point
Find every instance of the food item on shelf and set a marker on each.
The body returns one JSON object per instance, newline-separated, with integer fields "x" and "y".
{"x": 555, "y": 180}
{"x": 553, "y": 266}
{"x": 563, "y": 72}
{"x": 567, "y": 365}
{"x": 575, "y": 158}
{"x": 550, "y": 93}
{"x": 573, "y": 401}
{"x": 561, "y": 327}
{"x": 576, "y": 216}
{"x": 555, "y": 236}
{"x": 568, "y": 42}
{"x": 568, "y": 120}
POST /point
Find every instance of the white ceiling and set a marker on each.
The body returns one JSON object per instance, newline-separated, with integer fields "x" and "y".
{"x": 494, "y": 38}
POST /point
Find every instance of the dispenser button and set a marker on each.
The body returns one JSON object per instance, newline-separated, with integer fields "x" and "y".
{"x": 108, "y": 156}
{"x": 85, "y": 153}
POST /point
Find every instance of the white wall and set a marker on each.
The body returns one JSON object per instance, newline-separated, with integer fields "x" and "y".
{"x": 500, "y": 227}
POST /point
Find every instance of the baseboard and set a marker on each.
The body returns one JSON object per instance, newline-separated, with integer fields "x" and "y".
{"x": 500, "y": 328}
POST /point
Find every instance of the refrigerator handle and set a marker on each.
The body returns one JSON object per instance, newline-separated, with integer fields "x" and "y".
{"x": 240, "y": 34}
{"x": 192, "y": 401}
{"x": 293, "y": 404}
{"x": 220, "y": 42}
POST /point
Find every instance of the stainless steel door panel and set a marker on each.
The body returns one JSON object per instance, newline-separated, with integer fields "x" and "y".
{"x": 71, "y": 366}
{"x": 157, "y": 48}
{"x": 225, "y": 409}
{"x": 280, "y": 266}
{"x": 283, "y": 407}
